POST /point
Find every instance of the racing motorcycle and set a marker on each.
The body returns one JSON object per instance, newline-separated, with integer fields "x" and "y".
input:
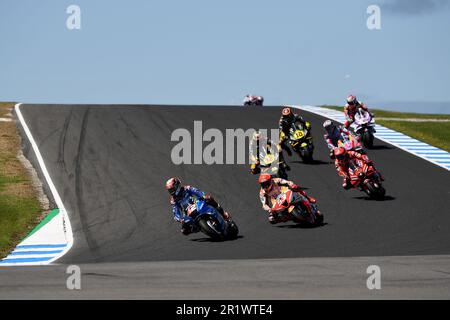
{"x": 300, "y": 141}
{"x": 292, "y": 206}
{"x": 365, "y": 178}
{"x": 254, "y": 101}
{"x": 269, "y": 163}
{"x": 365, "y": 127}
{"x": 207, "y": 220}
{"x": 350, "y": 143}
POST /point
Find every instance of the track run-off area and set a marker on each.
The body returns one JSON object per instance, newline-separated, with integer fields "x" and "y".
{"x": 109, "y": 164}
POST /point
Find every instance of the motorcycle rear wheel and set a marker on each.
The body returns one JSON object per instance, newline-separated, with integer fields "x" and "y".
{"x": 233, "y": 230}
{"x": 367, "y": 140}
{"x": 306, "y": 156}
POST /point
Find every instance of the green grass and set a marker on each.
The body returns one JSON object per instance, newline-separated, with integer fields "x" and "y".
{"x": 17, "y": 216}
{"x": 394, "y": 114}
{"x": 20, "y": 210}
{"x": 434, "y": 133}
{"x": 9, "y": 180}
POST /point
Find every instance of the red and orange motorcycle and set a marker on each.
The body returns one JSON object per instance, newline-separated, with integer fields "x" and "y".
{"x": 366, "y": 178}
{"x": 292, "y": 206}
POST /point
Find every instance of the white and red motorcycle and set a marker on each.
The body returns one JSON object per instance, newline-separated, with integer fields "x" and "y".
{"x": 365, "y": 127}
{"x": 253, "y": 101}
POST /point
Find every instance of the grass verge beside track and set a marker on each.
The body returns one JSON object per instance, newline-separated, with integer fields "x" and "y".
{"x": 434, "y": 133}
{"x": 20, "y": 209}
{"x": 393, "y": 114}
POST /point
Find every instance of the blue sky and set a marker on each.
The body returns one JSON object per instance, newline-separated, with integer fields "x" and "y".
{"x": 214, "y": 52}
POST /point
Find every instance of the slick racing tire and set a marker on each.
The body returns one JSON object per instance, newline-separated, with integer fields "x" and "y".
{"x": 375, "y": 190}
{"x": 233, "y": 230}
{"x": 367, "y": 140}
{"x": 210, "y": 227}
{"x": 297, "y": 216}
{"x": 306, "y": 156}
{"x": 319, "y": 219}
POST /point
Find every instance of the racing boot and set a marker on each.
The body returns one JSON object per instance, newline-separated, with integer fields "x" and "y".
{"x": 223, "y": 213}
{"x": 272, "y": 219}
{"x": 187, "y": 228}
{"x": 284, "y": 166}
{"x": 346, "y": 184}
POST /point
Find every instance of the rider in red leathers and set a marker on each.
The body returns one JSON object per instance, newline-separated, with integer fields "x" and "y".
{"x": 351, "y": 108}
{"x": 271, "y": 189}
{"x": 342, "y": 159}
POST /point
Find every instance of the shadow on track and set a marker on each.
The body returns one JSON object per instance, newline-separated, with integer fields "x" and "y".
{"x": 380, "y": 147}
{"x": 207, "y": 239}
{"x": 314, "y": 162}
{"x": 385, "y": 198}
{"x": 301, "y": 226}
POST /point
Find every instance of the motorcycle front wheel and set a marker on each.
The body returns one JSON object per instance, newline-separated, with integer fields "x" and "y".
{"x": 374, "y": 190}
{"x": 210, "y": 227}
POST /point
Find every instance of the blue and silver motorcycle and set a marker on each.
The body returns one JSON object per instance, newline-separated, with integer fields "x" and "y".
{"x": 207, "y": 220}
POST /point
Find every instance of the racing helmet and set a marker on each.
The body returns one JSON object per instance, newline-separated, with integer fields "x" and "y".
{"x": 340, "y": 153}
{"x": 351, "y": 100}
{"x": 286, "y": 113}
{"x": 329, "y": 126}
{"x": 265, "y": 180}
{"x": 173, "y": 186}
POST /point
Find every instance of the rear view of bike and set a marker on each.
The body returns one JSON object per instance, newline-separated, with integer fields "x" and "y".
{"x": 365, "y": 127}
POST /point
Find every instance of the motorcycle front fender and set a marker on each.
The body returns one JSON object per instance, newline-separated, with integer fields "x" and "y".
{"x": 207, "y": 210}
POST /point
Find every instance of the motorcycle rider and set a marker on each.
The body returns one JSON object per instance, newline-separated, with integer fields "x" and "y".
{"x": 251, "y": 100}
{"x": 284, "y": 124}
{"x": 333, "y": 135}
{"x": 342, "y": 161}
{"x": 181, "y": 198}
{"x": 271, "y": 189}
{"x": 350, "y": 109}
{"x": 259, "y": 140}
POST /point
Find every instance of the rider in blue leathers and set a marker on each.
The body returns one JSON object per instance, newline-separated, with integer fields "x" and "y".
{"x": 182, "y": 197}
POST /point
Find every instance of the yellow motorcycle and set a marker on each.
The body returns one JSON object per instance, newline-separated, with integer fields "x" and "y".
{"x": 269, "y": 163}
{"x": 300, "y": 141}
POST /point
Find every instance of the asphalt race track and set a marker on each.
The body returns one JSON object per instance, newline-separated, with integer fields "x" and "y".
{"x": 109, "y": 164}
